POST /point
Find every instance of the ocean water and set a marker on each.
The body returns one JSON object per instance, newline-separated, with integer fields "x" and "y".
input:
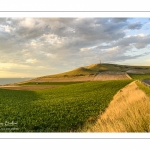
{"x": 12, "y": 80}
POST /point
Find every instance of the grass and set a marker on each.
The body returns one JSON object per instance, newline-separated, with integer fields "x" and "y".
{"x": 110, "y": 67}
{"x": 63, "y": 109}
{"x": 78, "y": 106}
{"x": 88, "y": 70}
{"x": 74, "y": 73}
{"x": 49, "y": 83}
{"x": 144, "y": 88}
{"x": 139, "y": 76}
{"x": 93, "y": 69}
{"x": 129, "y": 111}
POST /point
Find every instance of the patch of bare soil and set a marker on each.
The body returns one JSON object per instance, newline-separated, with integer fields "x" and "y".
{"x": 39, "y": 87}
{"x": 109, "y": 75}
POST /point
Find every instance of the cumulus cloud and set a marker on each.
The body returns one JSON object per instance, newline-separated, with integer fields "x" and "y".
{"x": 64, "y": 43}
{"x": 134, "y": 26}
{"x": 117, "y": 20}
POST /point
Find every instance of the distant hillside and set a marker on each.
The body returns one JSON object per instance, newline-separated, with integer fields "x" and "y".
{"x": 96, "y": 68}
{"x": 82, "y": 71}
{"x": 89, "y": 73}
{"x": 115, "y": 67}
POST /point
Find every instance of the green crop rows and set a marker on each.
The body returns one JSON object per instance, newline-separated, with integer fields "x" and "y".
{"x": 63, "y": 109}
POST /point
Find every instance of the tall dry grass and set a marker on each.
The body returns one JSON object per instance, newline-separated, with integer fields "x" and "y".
{"x": 129, "y": 111}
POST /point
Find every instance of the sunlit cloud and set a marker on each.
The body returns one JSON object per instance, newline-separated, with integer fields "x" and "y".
{"x": 39, "y": 46}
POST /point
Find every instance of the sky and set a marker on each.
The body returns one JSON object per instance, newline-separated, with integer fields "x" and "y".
{"x": 33, "y": 47}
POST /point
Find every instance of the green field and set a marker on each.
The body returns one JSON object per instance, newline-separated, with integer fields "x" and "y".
{"x": 68, "y": 108}
{"x": 64, "y": 109}
{"x": 139, "y": 76}
{"x": 49, "y": 83}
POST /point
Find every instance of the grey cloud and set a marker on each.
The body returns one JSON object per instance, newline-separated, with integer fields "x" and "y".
{"x": 138, "y": 41}
{"x": 2, "y": 20}
{"x": 120, "y": 55}
{"x": 143, "y": 42}
{"x": 33, "y": 32}
{"x": 93, "y": 29}
{"x": 117, "y": 20}
{"x": 27, "y": 29}
{"x": 63, "y": 38}
{"x": 88, "y": 32}
{"x": 87, "y": 28}
{"x": 128, "y": 43}
{"x": 103, "y": 31}
{"x": 123, "y": 57}
{"x": 134, "y": 26}
{"x": 120, "y": 48}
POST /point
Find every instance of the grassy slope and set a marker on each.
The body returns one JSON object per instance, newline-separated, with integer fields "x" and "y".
{"x": 128, "y": 111}
{"x": 77, "y": 72}
{"x": 94, "y": 69}
{"x": 144, "y": 88}
{"x": 139, "y": 76}
{"x": 107, "y": 67}
{"x": 57, "y": 110}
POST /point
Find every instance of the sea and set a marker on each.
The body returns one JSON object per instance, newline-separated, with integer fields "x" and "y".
{"x": 4, "y": 81}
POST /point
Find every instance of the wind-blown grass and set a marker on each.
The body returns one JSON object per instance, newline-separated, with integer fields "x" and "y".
{"x": 129, "y": 111}
{"x": 144, "y": 88}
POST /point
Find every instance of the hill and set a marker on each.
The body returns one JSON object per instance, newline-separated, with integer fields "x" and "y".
{"x": 95, "y": 72}
{"x": 82, "y": 71}
{"x": 48, "y": 104}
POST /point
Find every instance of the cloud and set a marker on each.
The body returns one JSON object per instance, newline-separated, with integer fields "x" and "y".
{"x": 117, "y": 20}
{"x": 139, "y": 41}
{"x": 32, "y": 61}
{"x": 135, "y": 26}
{"x": 85, "y": 49}
{"x": 126, "y": 48}
{"x": 64, "y": 43}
